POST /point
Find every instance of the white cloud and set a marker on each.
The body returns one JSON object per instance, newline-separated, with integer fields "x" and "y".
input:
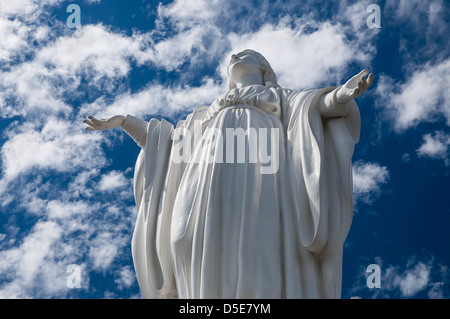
{"x": 112, "y": 180}
{"x": 57, "y": 209}
{"x": 48, "y": 139}
{"x": 80, "y": 184}
{"x": 424, "y": 95}
{"x": 29, "y": 150}
{"x": 435, "y": 146}
{"x": 185, "y": 13}
{"x": 197, "y": 37}
{"x": 413, "y": 12}
{"x": 44, "y": 84}
{"x": 367, "y": 178}
{"x": 36, "y": 247}
{"x": 13, "y": 38}
{"x": 156, "y": 99}
{"x": 405, "y": 280}
{"x": 92, "y": 48}
{"x": 20, "y": 25}
{"x": 190, "y": 45}
{"x": 436, "y": 290}
{"x": 103, "y": 250}
{"x": 102, "y": 56}
{"x": 413, "y": 279}
{"x": 30, "y": 9}
{"x": 303, "y": 59}
{"x": 125, "y": 277}
{"x": 59, "y": 145}
{"x": 67, "y": 232}
{"x": 356, "y": 14}
{"x": 25, "y": 262}
{"x": 303, "y": 51}
{"x": 423, "y": 98}
{"x": 425, "y": 27}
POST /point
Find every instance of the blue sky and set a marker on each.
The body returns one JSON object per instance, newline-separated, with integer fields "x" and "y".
{"x": 66, "y": 194}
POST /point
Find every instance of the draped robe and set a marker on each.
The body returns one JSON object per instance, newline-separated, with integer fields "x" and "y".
{"x": 211, "y": 228}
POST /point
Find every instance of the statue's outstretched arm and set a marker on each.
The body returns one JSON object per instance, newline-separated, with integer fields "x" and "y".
{"x": 134, "y": 127}
{"x": 335, "y": 103}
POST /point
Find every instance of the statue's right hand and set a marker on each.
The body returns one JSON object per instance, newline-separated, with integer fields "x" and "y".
{"x": 113, "y": 122}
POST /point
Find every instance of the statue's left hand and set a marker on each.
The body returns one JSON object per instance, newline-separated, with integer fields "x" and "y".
{"x": 354, "y": 87}
{"x": 113, "y": 122}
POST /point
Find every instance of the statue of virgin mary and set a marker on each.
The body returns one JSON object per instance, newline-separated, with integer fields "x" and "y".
{"x": 214, "y": 221}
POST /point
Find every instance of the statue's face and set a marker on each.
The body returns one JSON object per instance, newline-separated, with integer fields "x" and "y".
{"x": 242, "y": 64}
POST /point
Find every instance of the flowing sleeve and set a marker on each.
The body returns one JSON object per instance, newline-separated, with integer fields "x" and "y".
{"x": 137, "y": 129}
{"x": 156, "y": 180}
{"x": 320, "y": 151}
{"x": 153, "y": 269}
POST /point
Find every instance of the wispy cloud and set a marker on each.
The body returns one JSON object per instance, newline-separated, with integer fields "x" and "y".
{"x": 367, "y": 180}
{"x": 435, "y": 146}
{"x": 58, "y": 145}
{"x": 304, "y": 60}
{"x": 112, "y": 180}
{"x": 421, "y": 95}
{"x": 91, "y": 233}
{"x": 424, "y": 97}
{"x": 418, "y": 276}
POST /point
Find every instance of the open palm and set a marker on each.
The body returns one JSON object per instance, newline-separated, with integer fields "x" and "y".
{"x": 354, "y": 87}
{"x": 103, "y": 124}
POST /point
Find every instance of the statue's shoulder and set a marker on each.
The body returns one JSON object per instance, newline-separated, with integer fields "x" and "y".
{"x": 291, "y": 95}
{"x": 199, "y": 111}
{"x": 196, "y": 114}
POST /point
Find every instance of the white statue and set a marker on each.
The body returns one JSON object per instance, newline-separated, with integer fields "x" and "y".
{"x": 218, "y": 221}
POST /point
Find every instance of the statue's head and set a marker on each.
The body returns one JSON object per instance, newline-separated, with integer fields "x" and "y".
{"x": 268, "y": 75}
